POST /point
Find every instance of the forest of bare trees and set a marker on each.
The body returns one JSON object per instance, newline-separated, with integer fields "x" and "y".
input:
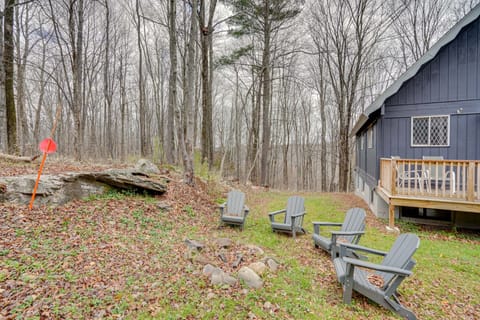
{"x": 260, "y": 91}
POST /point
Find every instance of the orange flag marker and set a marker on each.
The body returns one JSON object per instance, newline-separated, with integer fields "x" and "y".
{"x": 46, "y": 146}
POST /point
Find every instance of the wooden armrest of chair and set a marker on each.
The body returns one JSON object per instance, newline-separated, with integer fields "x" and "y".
{"x": 298, "y": 214}
{"x": 318, "y": 224}
{"x": 374, "y": 266}
{"x": 356, "y": 247}
{"x": 272, "y": 215}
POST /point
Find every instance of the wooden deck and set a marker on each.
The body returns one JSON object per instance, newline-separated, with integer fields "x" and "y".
{"x": 433, "y": 184}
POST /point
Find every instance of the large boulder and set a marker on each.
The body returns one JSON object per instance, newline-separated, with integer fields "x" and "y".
{"x": 62, "y": 188}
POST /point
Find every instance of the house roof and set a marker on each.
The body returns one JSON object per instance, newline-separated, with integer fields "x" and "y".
{"x": 412, "y": 71}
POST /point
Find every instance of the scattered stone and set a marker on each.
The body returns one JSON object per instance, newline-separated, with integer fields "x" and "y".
{"x": 251, "y": 279}
{"x": 217, "y": 277}
{"x": 194, "y": 244}
{"x": 208, "y": 269}
{"x": 189, "y": 254}
{"x": 146, "y": 166}
{"x": 164, "y": 206}
{"x": 237, "y": 261}
{"x": 258, "y": 267}
{"x": 267, "y": 306}
{"x": 200, "y": 259}
{"x": 228, "y": 279}
{"x": 18, "y": 218}
{"x": 255, "y": 250}
{"x": 223, "y": 242}
{"x": 222, "y": 257}
{"x": 272, "y": 264}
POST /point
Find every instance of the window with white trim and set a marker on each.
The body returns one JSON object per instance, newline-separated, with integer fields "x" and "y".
{"x": 370, "y": 138}
{"x": 430, "y": 131}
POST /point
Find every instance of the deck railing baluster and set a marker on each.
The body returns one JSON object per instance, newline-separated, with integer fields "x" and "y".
{"x": 437, "y": 179}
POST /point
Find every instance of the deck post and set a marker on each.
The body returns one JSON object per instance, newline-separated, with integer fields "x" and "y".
{"x": 391, "y": 216}
{"x": 471, "y": 181}
{"x": 393, "y": 174}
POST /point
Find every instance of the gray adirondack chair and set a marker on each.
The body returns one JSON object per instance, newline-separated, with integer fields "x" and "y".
{"x": 351, "y": 230}
{"x": 397, "y": 264}
{"x": 234, "y": 211}
{"x": 293, "y": 219}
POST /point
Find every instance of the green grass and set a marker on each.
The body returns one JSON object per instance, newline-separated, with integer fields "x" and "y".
{"x": 448, "y": 265}
{"x": 137, "y": 270}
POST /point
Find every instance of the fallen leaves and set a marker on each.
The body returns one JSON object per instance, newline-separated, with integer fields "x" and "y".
{"x": 94, "y": 259}
{"x": 124, "y": 256}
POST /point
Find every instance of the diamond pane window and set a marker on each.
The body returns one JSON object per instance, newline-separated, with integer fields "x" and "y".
{"x": 430, "y": 131}
{"x": 439, "y": 131}
{"x": 420, "y": 131}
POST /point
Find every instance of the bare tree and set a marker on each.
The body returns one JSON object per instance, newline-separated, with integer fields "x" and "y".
{"x": 21, "y": 59}
{"x": 8, "y": 66}
{"x": 3, "y": 107}
{"x": 462, "y": 7}
{"x": 263, "y": 19}
{"x": 348, "y": 33}
{"x": 172, "y": 84}
{"x": 418, "y": 27}
{"x": 206, "y": 34}
{"x": 189, "y": 102}
{"x": 141, "y": 85}
{"x": 320, "y": 85}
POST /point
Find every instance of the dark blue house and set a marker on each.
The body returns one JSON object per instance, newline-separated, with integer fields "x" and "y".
{"x": 418, "y": 143}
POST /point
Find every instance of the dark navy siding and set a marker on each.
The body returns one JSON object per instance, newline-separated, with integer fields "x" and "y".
{"x": 447, "y": 85}
{"x": 451, "y": 76}
{"x": 464, "y": 139}
{"x": 372, "y": 155}
{"x": 367, "y": 159}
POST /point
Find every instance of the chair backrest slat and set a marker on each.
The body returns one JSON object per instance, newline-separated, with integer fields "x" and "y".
{"x": 295, "y": 205}
{"x": 235, "y": 203}
{"x": 354, "y": 221}
{"x": 400, "y": 255}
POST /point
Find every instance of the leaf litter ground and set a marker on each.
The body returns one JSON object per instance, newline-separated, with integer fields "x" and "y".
{"x": 121, "y": 256}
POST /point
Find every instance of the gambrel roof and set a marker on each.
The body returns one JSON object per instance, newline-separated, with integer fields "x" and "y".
{"x": 412, "y": 71}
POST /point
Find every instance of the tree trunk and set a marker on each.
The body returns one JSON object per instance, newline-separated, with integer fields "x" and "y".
{"x": 172, "y": 85}
{"x": 206, "y": 32}
{"x": 189, "y": 99}
{"x": 8, "y": 58}
{"x": 3, "y": 110}
{"x": 254, "y": 137}
{"x": 123, "y": 102}
{"x": 238, "y": 126}
{"x": 141, "y": 85}
{"x": 21, "y": 67}
{"x": 38, "y": 111}
{"x": 107, "y": 91}
{"x": 266, "y": 98}
{"x": 76, "y": 37}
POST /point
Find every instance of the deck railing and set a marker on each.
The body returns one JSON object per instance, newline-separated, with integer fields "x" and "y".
{"x": 442, "y": 179}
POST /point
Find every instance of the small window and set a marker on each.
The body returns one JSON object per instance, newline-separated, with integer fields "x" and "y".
{"x": 430, "y": 131}
{"x": 362, "y": 141}
{"x": 370, "y": 137}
